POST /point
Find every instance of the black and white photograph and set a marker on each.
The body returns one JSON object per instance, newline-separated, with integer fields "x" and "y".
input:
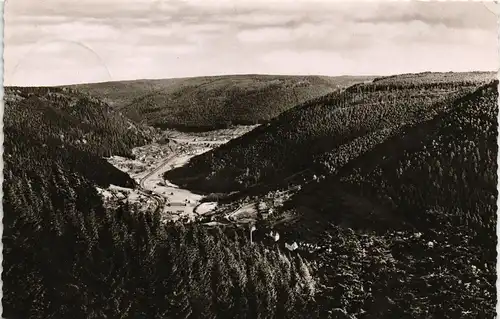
{"x": 249, "y": 159}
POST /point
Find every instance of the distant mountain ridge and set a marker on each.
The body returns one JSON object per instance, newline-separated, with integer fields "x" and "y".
{"x": 206, "y": 103}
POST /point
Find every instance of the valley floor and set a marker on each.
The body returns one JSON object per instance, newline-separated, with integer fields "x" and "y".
{"x": 153, "y": 160}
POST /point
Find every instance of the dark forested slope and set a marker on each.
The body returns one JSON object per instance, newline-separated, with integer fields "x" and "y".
{"x": 448, "y": 162}
{"x": 74, "y": 119}
{"x": 52, "y": 128}
{"x": 339, "y": 126}
{"x": 205, "y": 103}
{"x": 66, "y": 256}
{"x": 430, "y": 194}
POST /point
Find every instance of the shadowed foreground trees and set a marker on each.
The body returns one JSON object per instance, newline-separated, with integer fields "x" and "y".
{"x": 423, "y": 204}
{"x": 65, "y": 256}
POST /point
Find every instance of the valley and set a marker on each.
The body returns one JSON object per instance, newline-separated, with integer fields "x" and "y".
{"x": 250, "y": 160}
{"x": 352, "y": 199}
{"x": 156, "y": 195}
{"x": 152, "y": 161}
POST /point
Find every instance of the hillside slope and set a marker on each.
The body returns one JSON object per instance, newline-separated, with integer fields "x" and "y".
{"x": 447, "y": 163}
{"x": 54, "y": 141}
{"x": 72, "y": 118}
{"x": 325, "y": 133}
{"x": 414, "y": 220}
{"x": 205, "y": 103}
{"x": 65, "y": 255}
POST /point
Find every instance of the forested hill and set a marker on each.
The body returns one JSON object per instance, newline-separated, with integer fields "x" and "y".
{"x": 66, "y": 256}
{"x": 446, "y": 163}
{"x": 57, "y": 128}
{"x": 339, "y": 125}
{"x": 71, "y": 118}
{"x": 422, "y": 207}
{"x": 54, "y": 141}
{"x": 435, "y": 77}
{"x": 205, "y": 103}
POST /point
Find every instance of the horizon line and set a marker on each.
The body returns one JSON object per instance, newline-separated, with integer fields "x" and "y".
{"x": 251, "y": 74}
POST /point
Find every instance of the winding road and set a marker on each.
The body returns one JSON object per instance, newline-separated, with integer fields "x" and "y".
{"x": 160, "y": 200}
{"x": 180, "y": 200}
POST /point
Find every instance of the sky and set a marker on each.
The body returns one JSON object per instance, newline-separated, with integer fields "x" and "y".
{"x": 53, "y": 42}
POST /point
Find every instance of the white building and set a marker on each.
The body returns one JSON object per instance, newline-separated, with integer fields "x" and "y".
{"x": 291, "y": 247}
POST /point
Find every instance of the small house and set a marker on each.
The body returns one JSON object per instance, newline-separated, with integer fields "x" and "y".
{"x": 291, "y": 247}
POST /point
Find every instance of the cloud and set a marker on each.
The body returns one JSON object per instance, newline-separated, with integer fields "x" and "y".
{"x": 463, "y": 14}
{"x": 266, "y": 34}
{"x": 159, "y": 38}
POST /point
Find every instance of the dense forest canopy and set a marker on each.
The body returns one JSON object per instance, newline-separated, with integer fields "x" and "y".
{"x": 205, "y": 103}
